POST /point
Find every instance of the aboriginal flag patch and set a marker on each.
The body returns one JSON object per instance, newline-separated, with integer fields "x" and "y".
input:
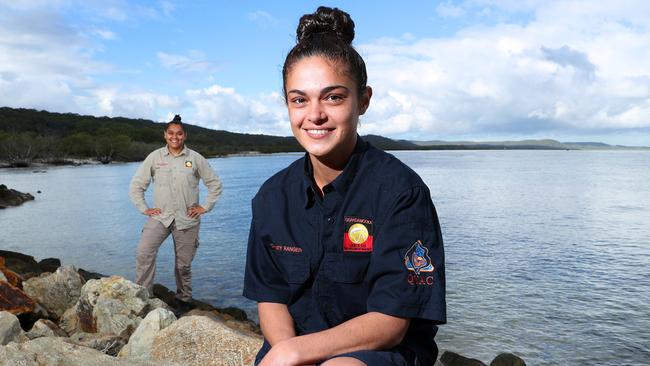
{"x": 358, "y": 235}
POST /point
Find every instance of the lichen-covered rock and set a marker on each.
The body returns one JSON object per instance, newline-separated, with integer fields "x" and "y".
{"x": 10, "y": 330}
{"x": 199, "y": 340}
{"x": 507, "y": 359}
{"x": 45, "y": 328}
{"x": 56, "y": 351}
{"x": 141, "y": 340}
{"x": 57, "y": 291}
{"x": 110, "y": 305}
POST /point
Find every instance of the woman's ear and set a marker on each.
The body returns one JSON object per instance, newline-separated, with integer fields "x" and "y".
{"x": 364, "y": 100}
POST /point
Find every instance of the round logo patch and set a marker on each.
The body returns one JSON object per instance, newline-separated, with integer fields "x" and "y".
{"x": 358, "y": 233}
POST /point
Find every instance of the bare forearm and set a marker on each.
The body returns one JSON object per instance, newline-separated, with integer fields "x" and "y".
{"x": 371, "y": 331}
{"x": 276, "y": 322}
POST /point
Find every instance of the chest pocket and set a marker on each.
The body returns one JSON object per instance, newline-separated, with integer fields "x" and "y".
{"x": 162, "y": 174}
{"x": 294, "y": 267}
{"x": 347, "y": 268}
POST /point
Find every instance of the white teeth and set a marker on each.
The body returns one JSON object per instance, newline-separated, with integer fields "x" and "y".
{"x": 317, "y": 132}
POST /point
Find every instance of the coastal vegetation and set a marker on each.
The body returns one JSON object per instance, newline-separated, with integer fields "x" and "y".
{"x": 28, "y": 136}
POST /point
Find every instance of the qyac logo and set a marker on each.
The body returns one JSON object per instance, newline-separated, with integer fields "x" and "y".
{"x": 417, "y": 259}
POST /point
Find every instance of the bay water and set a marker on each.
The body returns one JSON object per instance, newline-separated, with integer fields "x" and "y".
{"x": 547, "y": 252}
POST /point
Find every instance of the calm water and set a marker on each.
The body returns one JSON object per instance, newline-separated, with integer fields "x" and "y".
{"x": 548, "y": 252}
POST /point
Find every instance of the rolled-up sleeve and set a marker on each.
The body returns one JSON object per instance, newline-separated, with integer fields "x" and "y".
{"x": 140, "y": 183}
{"x": 211, "y": 181}
{"x": 407, "y": 270}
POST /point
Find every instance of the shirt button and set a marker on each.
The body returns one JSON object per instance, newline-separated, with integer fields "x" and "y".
{"x": 330, "y": 220}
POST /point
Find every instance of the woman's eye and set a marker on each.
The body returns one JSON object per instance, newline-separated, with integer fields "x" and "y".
{"x": 334, "y": 98}
{"x": 298, "y": 100}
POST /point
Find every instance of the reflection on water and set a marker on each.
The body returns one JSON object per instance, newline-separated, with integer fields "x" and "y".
{"x": 548, "y": 252}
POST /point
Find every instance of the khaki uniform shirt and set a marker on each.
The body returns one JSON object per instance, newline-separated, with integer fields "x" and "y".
{"x": 176, "y": 185}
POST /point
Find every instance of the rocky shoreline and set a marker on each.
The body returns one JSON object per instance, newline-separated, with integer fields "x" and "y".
{"x": 59, "y": 315}
{"x": 11, "y": 197}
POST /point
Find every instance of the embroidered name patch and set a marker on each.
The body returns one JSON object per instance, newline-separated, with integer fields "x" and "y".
{"x": 188, "y": 163}
{"x": 358, "y": 235}
{"x": 286, "y": 248}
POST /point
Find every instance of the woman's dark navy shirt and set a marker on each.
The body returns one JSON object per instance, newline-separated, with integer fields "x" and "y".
{"x": 371, "y": 243}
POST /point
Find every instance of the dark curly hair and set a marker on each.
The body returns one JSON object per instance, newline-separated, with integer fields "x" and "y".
{"x": 327, "y": 32}
{"x": 175, "y": 121}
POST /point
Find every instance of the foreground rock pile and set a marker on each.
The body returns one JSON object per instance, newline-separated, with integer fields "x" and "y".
{"x": 58, "y": 315}
{"x": 51, "y": 315}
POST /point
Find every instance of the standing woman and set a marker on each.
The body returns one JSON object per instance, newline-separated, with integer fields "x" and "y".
{"x": 345, "y": 254}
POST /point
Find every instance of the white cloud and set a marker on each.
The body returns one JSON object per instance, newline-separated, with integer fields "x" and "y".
{"x": 224, "y": 109}
{"x": 263, "y": 18}
{"x": 194, "y": 61}
{"x": 576, "y": 66}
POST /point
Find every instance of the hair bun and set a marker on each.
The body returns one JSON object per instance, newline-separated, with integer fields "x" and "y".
{"x": 177, "y": 118}
{"x": 326, "y": 21}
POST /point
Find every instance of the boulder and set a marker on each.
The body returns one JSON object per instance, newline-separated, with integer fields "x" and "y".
{"x": 453, "y": 359}
{"x": 57, "y": 292}
{"x": 3, "y": 277}
{"x": 11, "y": 197}
{"x": 10, "y": 330}
{"x": 69, "y": 322}
{"x": 109, "y": 344}
{"x": 20, "y": 263}
{"x": 110, "y": 305}
{"x": 14, "y": 300}
{"x": 45, "y": 328}
{"x": 141, "y": 340}
{"x": 49, "y": 264}
{"x": 507, "y": 359}
{"x": 199, "y": 340}
{"x": 87, "y": 275}
{"x": 10, "y": 276}
{"x": 56, "y": 351}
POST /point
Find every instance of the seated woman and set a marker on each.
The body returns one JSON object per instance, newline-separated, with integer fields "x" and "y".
{"x": 345, "y": 254}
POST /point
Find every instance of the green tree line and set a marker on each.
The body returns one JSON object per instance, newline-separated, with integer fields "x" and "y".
{"x": 28, "y": 135}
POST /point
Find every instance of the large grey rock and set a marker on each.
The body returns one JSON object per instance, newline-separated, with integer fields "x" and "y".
{"x": 10, "y": 330}
{"x": 507, "y": 359}
{"x": 56, "y": 351}
{"x": 141, "y": 340}
{"x": 110, "y": 305}
{"x": 45, "y": 328}
{"x": 57, "y": 292}
{"x": 199, "y": 340}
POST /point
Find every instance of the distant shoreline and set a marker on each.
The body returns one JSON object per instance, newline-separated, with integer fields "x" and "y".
{"x": 42, "y": 163}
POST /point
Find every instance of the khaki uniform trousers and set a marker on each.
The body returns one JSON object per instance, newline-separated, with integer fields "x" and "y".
{"x": 185, "y": 244}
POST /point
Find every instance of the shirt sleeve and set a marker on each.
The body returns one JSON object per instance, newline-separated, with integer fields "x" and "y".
{"x": 140, "y": 183}
{"x": 263, "y": 280}
{"x": 211, "y": 181}
{"x": 407, "y": 270}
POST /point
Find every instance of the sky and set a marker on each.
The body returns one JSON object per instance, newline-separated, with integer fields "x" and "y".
{"x": 481, "y": 70}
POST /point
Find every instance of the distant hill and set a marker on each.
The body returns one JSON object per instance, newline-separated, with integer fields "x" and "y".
{"x": 28, "y": 135}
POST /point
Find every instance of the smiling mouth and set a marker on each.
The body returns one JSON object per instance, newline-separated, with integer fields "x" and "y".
{"x": 318, "y": 132}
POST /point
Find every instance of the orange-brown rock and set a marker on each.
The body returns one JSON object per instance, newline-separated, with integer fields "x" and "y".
{"x": 13, "y": 278}
{"x": 14, "y": 300}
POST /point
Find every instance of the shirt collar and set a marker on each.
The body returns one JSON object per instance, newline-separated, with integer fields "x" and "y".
{"x": 343, "y": 181}
{"x": 183, "y": 152}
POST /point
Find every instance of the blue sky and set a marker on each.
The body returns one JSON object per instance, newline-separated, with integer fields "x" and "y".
{"x": 440, "y": 70}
